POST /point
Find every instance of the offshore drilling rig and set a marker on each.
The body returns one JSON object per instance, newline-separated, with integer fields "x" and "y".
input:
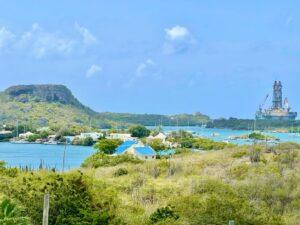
{"x": 280, "y": 109}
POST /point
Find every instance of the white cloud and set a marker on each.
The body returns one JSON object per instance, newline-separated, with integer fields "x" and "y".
{"x": 41, "y": 43}
{"x": 178, "y": 39}
{"x": 6, "y": 37}
{"x": 88, "y": 37}
{"x": 93, "y": 70}
{"x": 177, "y": 32}
{"x": 144, "y": 67}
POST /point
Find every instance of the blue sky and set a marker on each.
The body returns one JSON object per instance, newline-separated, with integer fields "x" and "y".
{"x": 215, "y": 57}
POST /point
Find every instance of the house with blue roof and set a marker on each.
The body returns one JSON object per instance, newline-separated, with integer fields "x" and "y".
{"x": 137, "y": 149}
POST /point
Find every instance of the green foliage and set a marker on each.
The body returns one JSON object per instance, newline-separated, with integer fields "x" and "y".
{"x": 70, "y": 200}
{"x": 139, "y": 131}
{"x": 103, "y": 160}
{"x": 33, "y": 137}
{"x": 196, "y": 119}
{"x": 121, "y": 172}
{"x": 180, "y": 134}
{"x": 260, "y": 136}
{"x": 11, "y": 215}
{"x": 215, "y": 203}
{"x": 208, "y": 144}
{"x": 88, "y": 141}
{"x": 107, "y": 146}
{"x": 163, "y": 214}
{"x": 157, "y": 145}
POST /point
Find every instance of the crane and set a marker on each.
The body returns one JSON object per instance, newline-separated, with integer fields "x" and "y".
{"x": 264, "y": 102}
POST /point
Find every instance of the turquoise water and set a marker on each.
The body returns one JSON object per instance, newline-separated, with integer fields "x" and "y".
{"x": 31, "y": 155}
{"x": 51, "y": 156}
{"x": 224, "y": 134}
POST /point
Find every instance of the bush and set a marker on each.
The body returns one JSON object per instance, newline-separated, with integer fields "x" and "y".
{"x": 11, "y": 215}
{"x": 102, "y": 160}
{"x": 121, "y": 172}
{"x": 71, "y": 202}
{"x": 163, "y": 214}
{"x": 157, "y": 145}
{"x": 88, "y": 141}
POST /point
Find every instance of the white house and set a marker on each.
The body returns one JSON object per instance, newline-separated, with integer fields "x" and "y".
{"x": 25, "y": 135}
{"x": 161, "y": 136}
{"x": 123, "y": 137}
{"x": 95, "y": 136}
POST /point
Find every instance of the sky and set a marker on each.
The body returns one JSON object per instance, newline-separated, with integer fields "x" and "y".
{"x": 215, "y": 57}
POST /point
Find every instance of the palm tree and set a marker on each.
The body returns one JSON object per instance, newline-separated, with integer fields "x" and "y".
{"x": 10, "y": 215}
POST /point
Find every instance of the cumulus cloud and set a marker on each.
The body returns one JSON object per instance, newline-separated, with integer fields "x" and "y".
{"x": 144, "y": 68}
{"x": 88, "y": 37}
{"x": 6, "y": 37}
{"x": 93, "y": 70}
{"x": 177, "y": 33}
{"x": 178, "y": 39}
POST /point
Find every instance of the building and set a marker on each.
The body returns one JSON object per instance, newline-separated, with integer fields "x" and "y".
{"x": 279, "y": 110}
{"x": 95, "y": 136}
{"x": 123, "y": 137}
{"x": 136, "y": 149}
{"x": 161, "y": 136}
{"x": 25, "y": 135}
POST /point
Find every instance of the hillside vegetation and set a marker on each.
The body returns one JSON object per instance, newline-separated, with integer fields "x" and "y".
{"x": 251, "y": 185}
{"x": 51, "y": 105}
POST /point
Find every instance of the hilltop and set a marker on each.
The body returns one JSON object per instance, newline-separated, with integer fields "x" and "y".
{"x": 55, "y": 105}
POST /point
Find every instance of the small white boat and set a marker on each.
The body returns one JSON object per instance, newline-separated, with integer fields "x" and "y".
{"x": 51, "y": 143}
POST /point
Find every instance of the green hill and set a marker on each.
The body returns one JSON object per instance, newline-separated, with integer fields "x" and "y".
{"x": 55, "y": 105}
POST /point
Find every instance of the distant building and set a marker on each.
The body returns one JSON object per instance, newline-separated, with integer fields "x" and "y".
{"x": 280, "y": 110}
{"x": 161, "y": 136}
{"x": 123, "y": 137}
{"x": 95, "y": 136}
{"x": 25, "y": 135}
{"x": 136, "y": 149}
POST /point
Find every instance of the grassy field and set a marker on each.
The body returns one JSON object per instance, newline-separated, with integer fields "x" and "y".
{"x": 251, "y": 185}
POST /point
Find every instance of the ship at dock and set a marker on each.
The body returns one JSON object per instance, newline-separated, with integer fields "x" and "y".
{"x": 280, "y": 109}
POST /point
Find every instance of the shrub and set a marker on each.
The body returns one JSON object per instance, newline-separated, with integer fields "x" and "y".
{"x": 163, "y": 214}
{"x": 121, "y": 172}
{"x": 102, "y": 160}
{"x": 157, "y": 145}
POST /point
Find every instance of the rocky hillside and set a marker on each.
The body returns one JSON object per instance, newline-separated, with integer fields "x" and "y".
{"x": 44, "y": 93}
{"x": 46, "y": 105}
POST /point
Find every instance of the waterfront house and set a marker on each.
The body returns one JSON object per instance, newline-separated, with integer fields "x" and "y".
{"x": 121, "y": 136}
{"x": 161, "y": 136}
{"x": 136, "y": 149}
{"x": 25, "y": 135}
{"x": 94, "y": 135}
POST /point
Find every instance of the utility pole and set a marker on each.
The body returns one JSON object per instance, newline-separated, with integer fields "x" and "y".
{"x": 64, "y": 157}
{"x": 46, "y": 209}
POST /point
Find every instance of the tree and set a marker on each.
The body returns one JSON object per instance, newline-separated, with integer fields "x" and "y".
{"x": 157, "y": 145}
{"x": 139, "y": 131}
{"x": 108, "y": 146}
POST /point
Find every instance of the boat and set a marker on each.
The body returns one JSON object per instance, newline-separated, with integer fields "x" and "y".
{"x": 20, "y": 142}
{"x": 51, "y": 143}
